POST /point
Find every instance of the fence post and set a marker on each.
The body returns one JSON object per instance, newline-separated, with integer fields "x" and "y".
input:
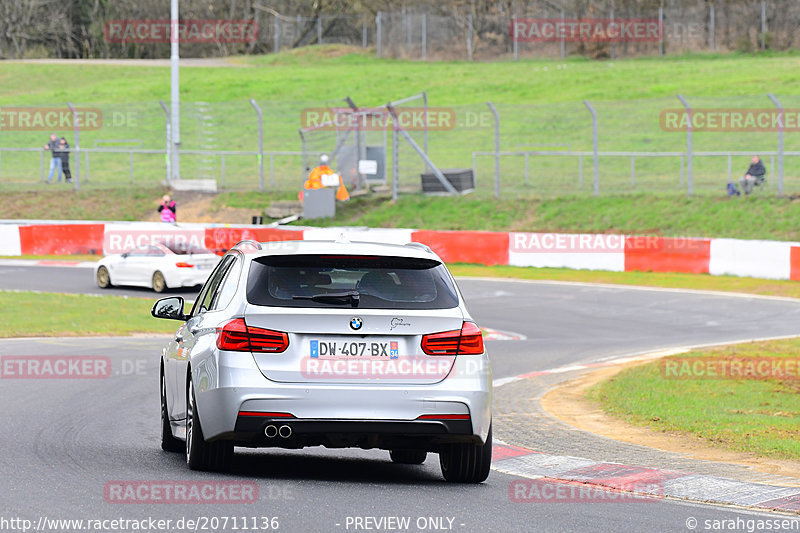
{"x": 594, "y": 147}
{"x": 469, "y": 37}
{"x": 319, "y": 29}
{"x": 425, "y": 131}
{"x": 272, "y": 171}
{"x": 424, "y": 36}
{"x": 689, "y": 169}
{"x": 780, "y": 141}
{"x": 223, "y": 171}
{"x": 260, "y": 144}
{"x": 41, "y": 163}
{"x": 364, "y": 32}
{"x": 772, "y": 170}
{"x": 395, "y": 161}
{"x": 763, "y": 25}
{"x": 712, "y": 15}
{"x": 169, "y": 136}
{"x": 730, "y": 163}
{"x": 77, "y": 123}
{"x": 633, "y": 171}
{"x": 276, "y": 37}
{"x": 86, "y": 162}
{"x": 527, "y": 162}
{"x": 612, "y": 48}
{"x": 660, "y": 30}
{"x": 378, "y": 34}
{"x": 496, "y": 149}
{"x": 514, "y": 37}
{"x": 563, "y": 42}
{"x": 580, "y": 171}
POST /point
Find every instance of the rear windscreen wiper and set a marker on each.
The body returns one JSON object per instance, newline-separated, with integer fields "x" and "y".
{"x": 351, "y": 297}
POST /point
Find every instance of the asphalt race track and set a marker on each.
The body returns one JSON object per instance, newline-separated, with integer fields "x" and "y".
{"x": 65, "y": 441}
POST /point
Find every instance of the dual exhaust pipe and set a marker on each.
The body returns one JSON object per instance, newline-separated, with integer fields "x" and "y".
{"x": 272, "y": 431}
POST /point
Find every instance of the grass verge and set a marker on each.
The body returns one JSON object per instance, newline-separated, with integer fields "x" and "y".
{"x": 54, "y": 203}
{"x": 764, "y": 287}
{"x": 28, "y": 314}
{"x": 669, "y": 216}
{"x": 750, "y": 415}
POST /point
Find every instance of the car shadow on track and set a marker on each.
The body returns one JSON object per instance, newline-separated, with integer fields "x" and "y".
{"x": 278, "y": 465}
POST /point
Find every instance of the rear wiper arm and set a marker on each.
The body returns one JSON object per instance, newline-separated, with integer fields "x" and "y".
{"x": 351, "y": 297}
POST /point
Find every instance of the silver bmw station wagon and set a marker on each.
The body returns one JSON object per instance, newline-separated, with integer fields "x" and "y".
{"x": 336, "y": 344}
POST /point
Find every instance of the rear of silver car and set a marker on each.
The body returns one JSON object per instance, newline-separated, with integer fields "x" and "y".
{"x": 344, "y": 345}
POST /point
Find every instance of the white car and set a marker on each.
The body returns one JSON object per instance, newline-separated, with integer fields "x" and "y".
{"x": 156, "y": 266}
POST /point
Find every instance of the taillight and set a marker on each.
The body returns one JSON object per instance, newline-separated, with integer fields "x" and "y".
{"x": 184, "y": 265}
{"x": 466, "y": 341}
{"x": 237, "y": 336}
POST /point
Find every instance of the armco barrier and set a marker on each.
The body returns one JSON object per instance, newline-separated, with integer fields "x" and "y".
{"x": 61, "y": 239}
{"x": 483, "y": 247}
{"x": 660, "y": 254}
{"x": 761, "y": 259}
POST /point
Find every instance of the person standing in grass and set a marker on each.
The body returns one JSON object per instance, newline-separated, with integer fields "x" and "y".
{"x": 168, "y": 209}
{"x": 63, "y": 152}
{"x": 55, "y": 160}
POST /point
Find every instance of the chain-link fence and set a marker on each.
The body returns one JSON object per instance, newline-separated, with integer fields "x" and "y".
{"x": 642, "y": 145}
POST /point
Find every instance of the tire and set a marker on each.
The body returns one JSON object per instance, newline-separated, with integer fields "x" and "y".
{"x": 168, "y": 442}
{"x": 467, "y": 463}
{"x": 159, "y": 283}
{"x": 408, "y": 457}
{"x": 103, "y": 279}
{"x": 202, "y": 455}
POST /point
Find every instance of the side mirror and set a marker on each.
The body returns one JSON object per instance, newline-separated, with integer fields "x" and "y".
{"x": 170, "y": 308}
{"x": 125, "y": 255}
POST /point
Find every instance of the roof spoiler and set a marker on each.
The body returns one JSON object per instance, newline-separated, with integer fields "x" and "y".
{"x": 419, "y": 245}
{"x": 247, "y": 243}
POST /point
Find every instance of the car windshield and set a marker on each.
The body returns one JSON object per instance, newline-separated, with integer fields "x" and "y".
{"x": 371, "y": 282}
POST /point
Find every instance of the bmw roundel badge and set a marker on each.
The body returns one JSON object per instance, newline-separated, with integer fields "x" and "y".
{"x": 356, "y": 323}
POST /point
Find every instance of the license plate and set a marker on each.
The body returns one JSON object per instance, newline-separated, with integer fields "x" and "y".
{"x": 346, "y": 349}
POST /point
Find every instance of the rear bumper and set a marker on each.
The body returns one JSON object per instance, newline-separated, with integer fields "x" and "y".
{"x": 186, "y": 277}
{"x": 364, "y": 415}
{"x": 387, "y": 434}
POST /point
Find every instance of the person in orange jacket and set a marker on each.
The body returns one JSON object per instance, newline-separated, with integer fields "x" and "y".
{"x": 314, "y": 180}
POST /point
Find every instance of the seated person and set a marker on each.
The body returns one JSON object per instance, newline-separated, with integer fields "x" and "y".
{"x": 754, "y": 176}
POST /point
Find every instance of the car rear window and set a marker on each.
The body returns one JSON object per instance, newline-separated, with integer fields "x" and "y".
{"x": 368, "y": 282}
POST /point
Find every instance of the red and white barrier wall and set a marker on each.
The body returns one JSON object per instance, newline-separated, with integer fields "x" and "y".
{"x": 761, "y": 259}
